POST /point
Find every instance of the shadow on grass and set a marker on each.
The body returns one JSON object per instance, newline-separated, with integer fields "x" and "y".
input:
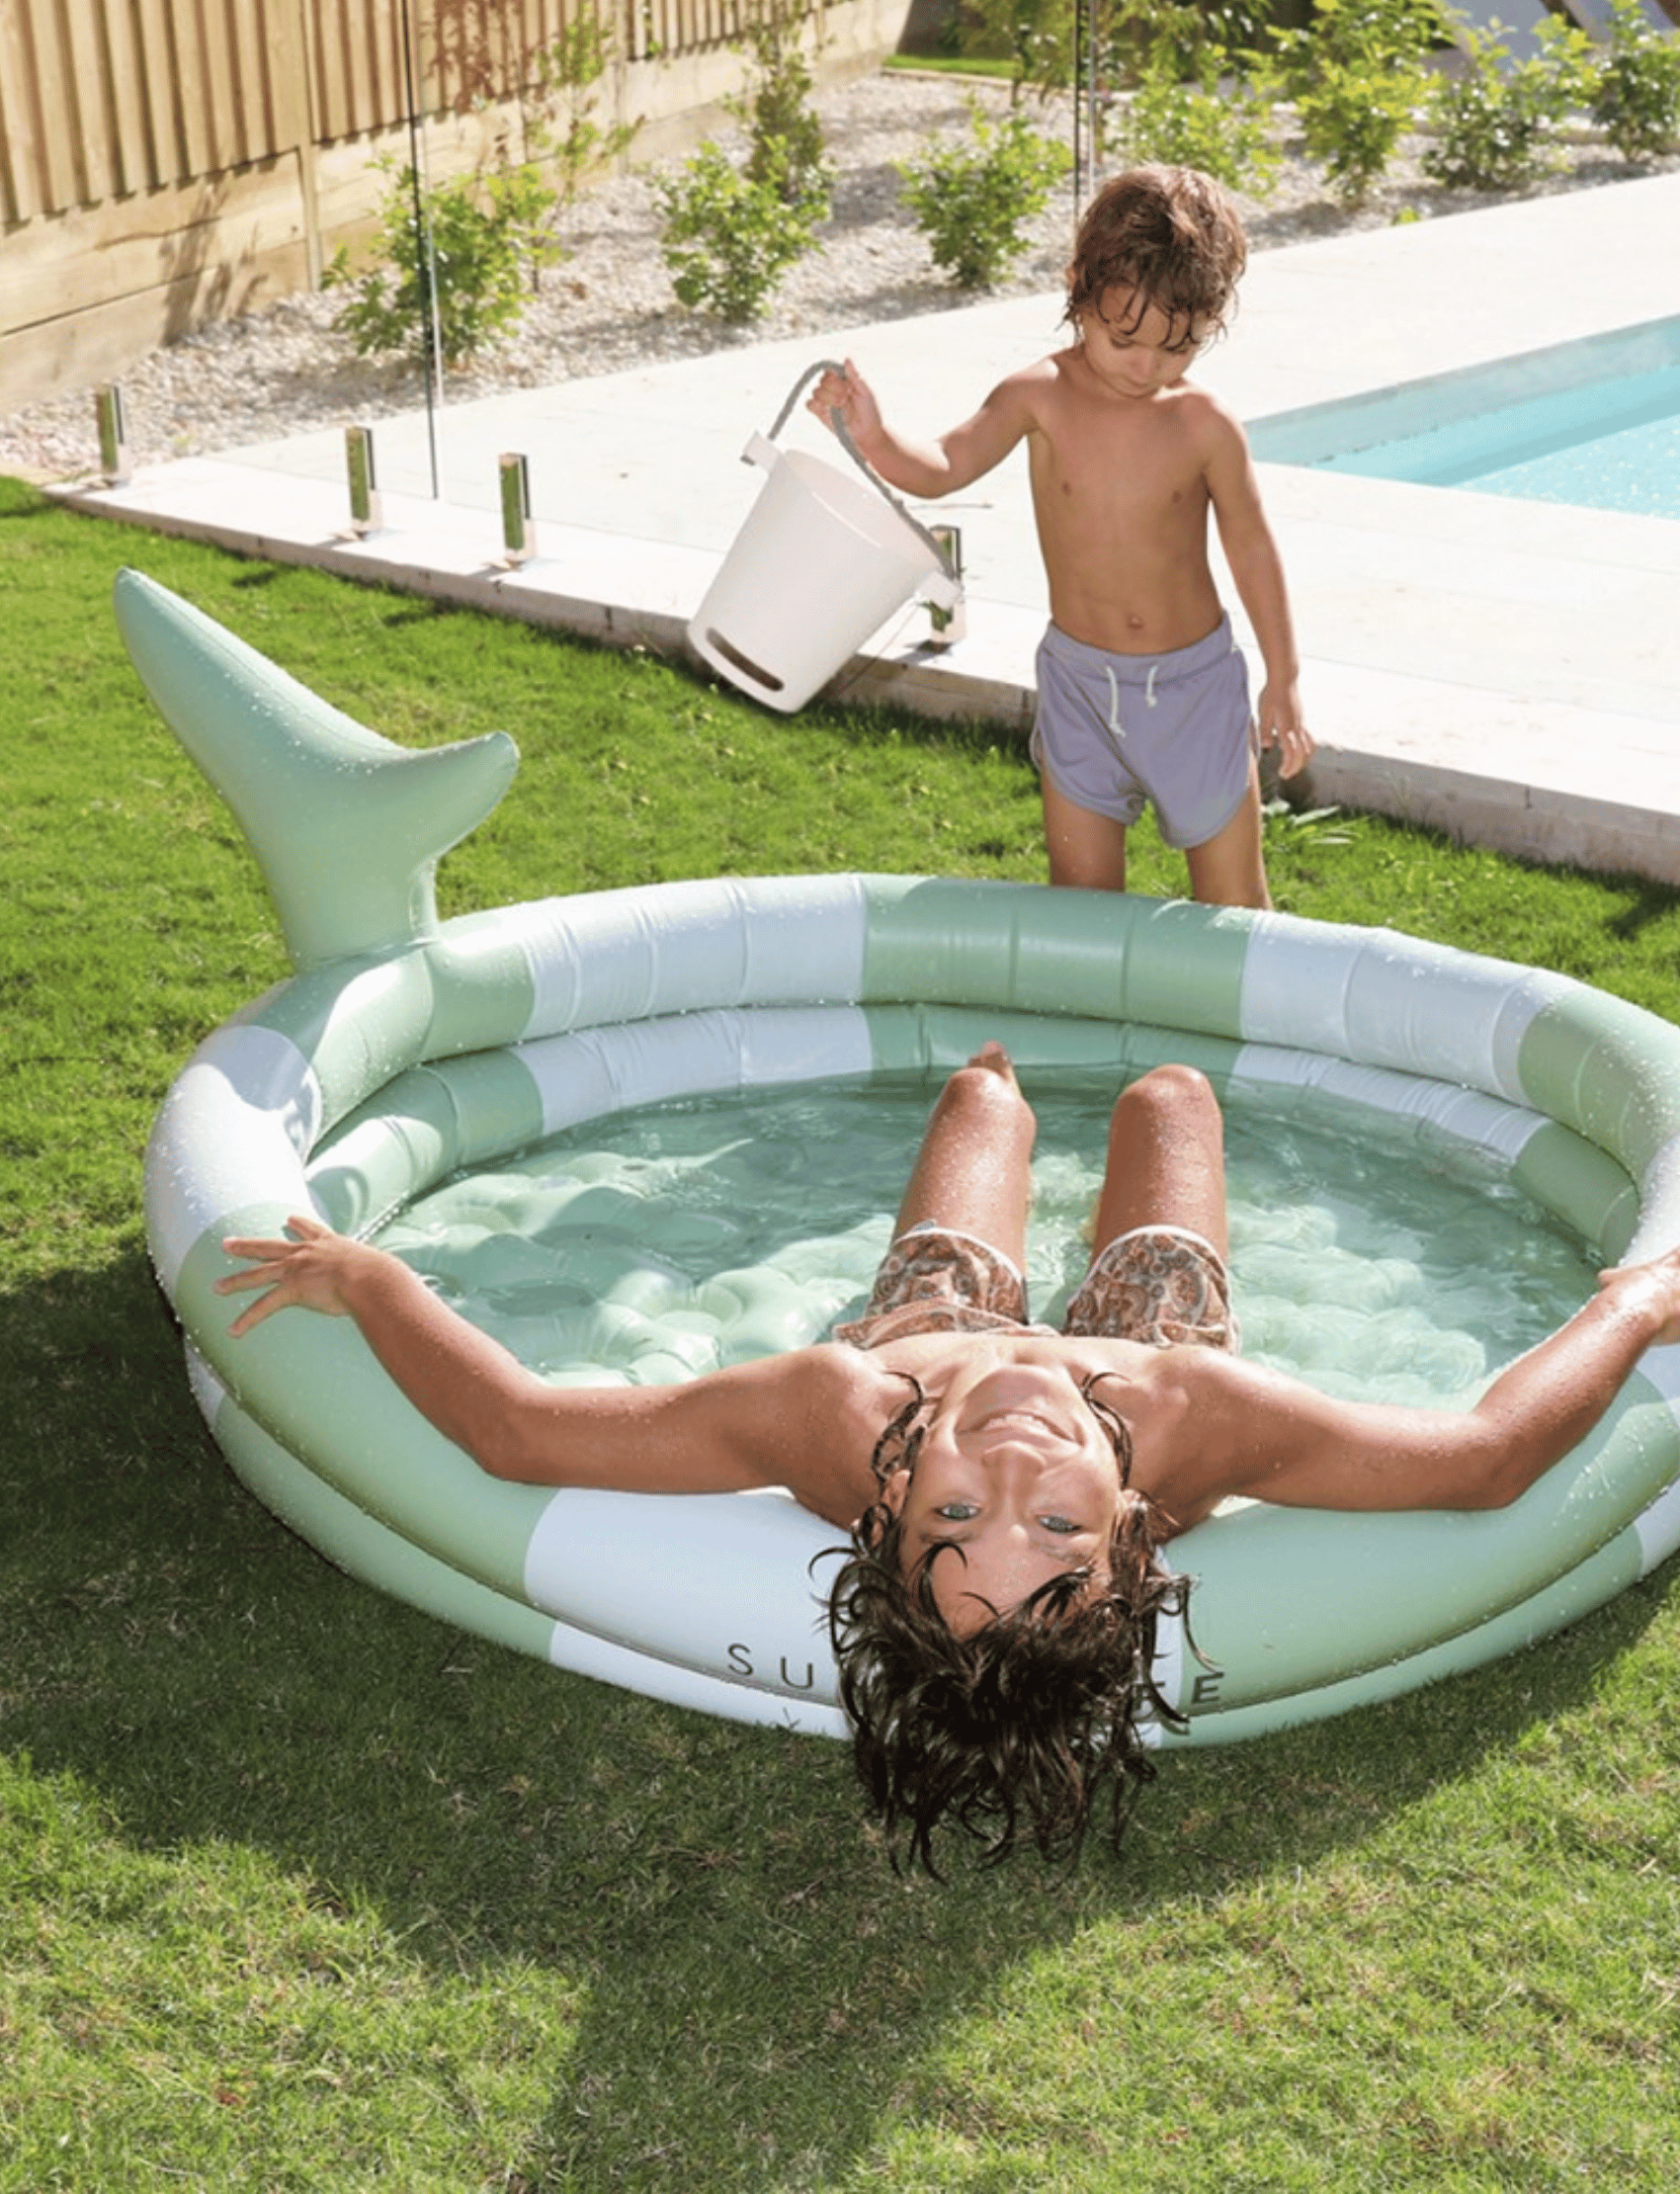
{"x": 406, "y": 610}
{"x": 1648, "y": 903}
{"x": 754, "y": 1980}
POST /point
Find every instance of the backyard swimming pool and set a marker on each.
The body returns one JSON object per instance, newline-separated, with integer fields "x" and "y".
{"x": 1593, "y": 423}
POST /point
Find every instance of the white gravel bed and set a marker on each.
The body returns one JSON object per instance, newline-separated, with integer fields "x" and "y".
{"x": 608, "y": 306}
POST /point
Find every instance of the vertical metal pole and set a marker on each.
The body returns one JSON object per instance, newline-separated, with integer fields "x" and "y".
{"x": 366, "y": 514}
{"x": 1091, "y": 58}
{"x": 112, "y": 435}
{"x": 951, "y": 625}
{"x": 519, "y": 535}
{"x": 1077, "y": 77}
{"x": 426, "y": 263}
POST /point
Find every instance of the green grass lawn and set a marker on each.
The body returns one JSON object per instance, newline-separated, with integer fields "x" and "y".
{"x": 300, "y": 1890}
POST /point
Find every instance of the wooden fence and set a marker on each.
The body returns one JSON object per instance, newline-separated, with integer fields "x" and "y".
{"x": 166, "y": 161}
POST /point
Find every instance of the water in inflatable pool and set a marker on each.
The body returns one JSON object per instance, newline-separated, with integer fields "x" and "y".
{"x": 671, "y": 1239}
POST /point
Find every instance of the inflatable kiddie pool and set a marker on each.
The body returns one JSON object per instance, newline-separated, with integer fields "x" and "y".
{"x": 404, "y": 1050}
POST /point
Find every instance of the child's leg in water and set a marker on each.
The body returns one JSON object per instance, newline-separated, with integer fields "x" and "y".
{"x": 1166, "y": 1159}
{"x": 973, "y": 1171}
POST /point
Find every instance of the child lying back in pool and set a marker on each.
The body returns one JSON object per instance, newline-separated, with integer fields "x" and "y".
{"x": 1007, "y": 1488}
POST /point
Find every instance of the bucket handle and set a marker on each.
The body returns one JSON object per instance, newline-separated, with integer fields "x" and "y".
{"x": 941, "y": 553}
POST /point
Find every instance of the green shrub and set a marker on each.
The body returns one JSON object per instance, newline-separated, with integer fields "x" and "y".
{"x": 1219, "y": 119}
{"x": 1356, "y": 79}
{"x": 1135, "y": 35}
{"x": 727, "y": 240}
{"x": 1036, "y": 36}
{"x": 486, "y": 234}
{"x": 1496, "y": 123}
{"x": 1351, "y": 120}
{"x": 1042, "y": 40}
{"x": 564, "y": 129}
{"x": 1636, "y": 99}
{"x": 785, "y": 132}
{"x": 483, "y": 240}
{"x": 970, "y": 198}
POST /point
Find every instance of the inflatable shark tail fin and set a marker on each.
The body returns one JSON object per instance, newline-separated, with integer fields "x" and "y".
{"x": 347, "y": 828}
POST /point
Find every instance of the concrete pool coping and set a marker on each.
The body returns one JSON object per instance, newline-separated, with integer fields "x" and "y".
{"x": 1506, "y": 671}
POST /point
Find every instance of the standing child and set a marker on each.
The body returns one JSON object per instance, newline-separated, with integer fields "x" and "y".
{"x": 1142, "y": 694}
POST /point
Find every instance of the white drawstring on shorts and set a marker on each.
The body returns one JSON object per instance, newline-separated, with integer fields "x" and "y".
{"x": 1115, "y": 728}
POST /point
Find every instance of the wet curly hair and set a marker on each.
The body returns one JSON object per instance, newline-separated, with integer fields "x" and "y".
{"x": 1173, "y": 235}
{"x": 1010, "y": 1734}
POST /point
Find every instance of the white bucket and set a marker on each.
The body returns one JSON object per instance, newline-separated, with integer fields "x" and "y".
{"x": 822, "y": 559}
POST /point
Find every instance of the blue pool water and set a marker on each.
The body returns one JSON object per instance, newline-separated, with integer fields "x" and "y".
{"x": 1595, "y": 424}
{"x": 1611, "y": 446}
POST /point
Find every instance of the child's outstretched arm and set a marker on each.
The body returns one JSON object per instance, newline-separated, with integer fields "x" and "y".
{"x": 1258, "y": 572}
{"x": 924, "y": 469}
{"x": 683, "y": 1439}
{"x": 1270, "y": 1438}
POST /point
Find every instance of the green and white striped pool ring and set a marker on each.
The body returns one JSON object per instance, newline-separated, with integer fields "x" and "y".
{"x": 405, "y": 1050}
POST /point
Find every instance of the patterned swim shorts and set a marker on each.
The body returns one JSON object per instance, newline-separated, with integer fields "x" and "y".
{"x": 1155, "y": 1285}
{"x": 934, "y": 1280}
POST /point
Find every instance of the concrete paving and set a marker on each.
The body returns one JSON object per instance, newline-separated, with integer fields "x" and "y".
{"x": 1506, "y": 670}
